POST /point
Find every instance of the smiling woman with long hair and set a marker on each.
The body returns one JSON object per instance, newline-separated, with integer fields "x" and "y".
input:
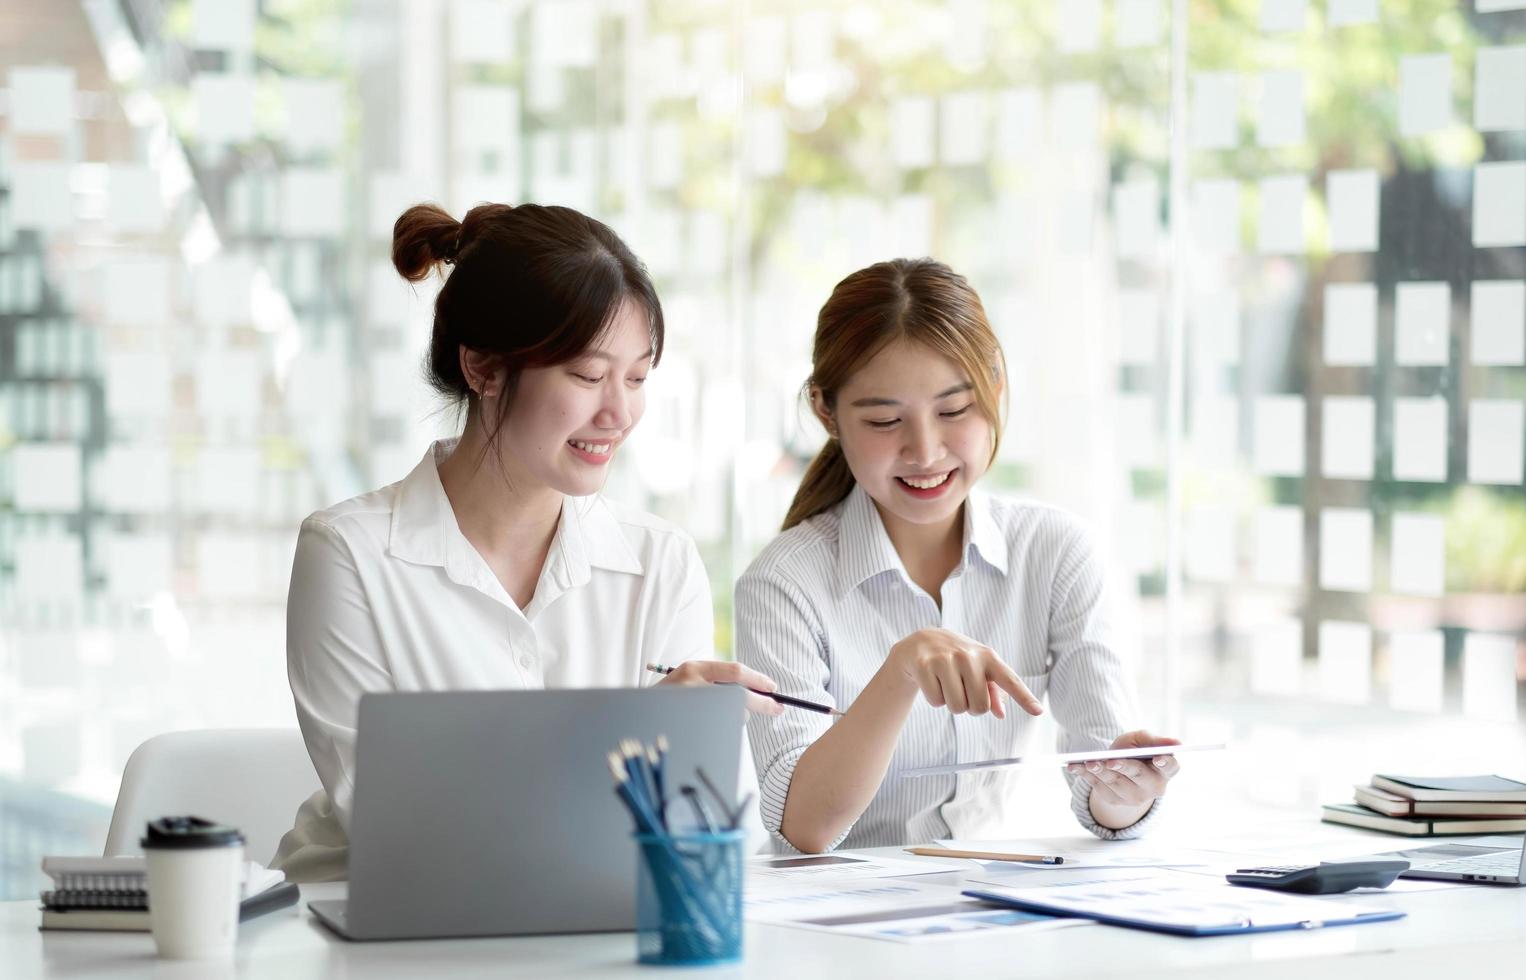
{"x": 496, "y": 563}
{"x": 897, "y": 577}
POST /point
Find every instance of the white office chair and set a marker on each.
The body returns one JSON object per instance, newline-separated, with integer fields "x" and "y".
{"x": 251, "y": 778}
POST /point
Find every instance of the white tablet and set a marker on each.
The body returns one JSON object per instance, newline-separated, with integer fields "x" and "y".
{"x": 1065, "y": 758}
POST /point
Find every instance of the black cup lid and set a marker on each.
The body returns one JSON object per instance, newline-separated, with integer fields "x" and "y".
{"x": 174, "y": 833}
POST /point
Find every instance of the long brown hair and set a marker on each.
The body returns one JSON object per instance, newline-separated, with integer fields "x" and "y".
{"x": 531, "y": 285}
{"x": 917, "y": 300}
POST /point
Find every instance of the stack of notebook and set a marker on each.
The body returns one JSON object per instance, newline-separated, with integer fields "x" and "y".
{"x": 112, "y": 893}
{"x": 1434, "y": 806}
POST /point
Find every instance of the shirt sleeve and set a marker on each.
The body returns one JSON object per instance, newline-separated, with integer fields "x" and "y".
{"x": 780, "y": 635}
{"x": 689, "y": 634}
{"x": 333, "y": 656}
{"x": 1087, "y": 691}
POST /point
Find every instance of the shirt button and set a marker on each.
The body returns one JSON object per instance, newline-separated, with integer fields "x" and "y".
{"x": 524, "y": 660}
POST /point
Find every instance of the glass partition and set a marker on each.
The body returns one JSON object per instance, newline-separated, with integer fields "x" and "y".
{"x": 1259, "y": 269}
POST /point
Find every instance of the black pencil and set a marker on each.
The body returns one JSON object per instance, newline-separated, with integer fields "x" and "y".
{"x": 824, "y": 709}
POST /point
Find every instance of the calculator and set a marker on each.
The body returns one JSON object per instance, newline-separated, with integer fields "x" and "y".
{"x": 1324, "y": 878}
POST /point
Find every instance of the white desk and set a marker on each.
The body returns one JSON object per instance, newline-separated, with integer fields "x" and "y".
{"x": 1460, "y": 932}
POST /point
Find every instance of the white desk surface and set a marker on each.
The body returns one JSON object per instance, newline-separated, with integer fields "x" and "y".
{"x": 1459, "y": 932}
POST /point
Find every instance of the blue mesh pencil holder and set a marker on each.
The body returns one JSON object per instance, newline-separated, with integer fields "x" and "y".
{"x": 689, "y": 898}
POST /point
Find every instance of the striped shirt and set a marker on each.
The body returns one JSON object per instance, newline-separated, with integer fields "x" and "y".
{"x": 821, "y": 606}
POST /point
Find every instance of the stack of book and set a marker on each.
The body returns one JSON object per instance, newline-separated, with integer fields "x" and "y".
{"x": 112, "y": 893}
{"x": 1434, "y": 806}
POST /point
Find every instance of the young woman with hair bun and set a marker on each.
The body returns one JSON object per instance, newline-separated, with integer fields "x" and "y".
{"x": 495, "y": 563}
{"x": 902, "y": 593}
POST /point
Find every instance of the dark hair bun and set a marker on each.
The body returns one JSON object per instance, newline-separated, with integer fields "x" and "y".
{"x": 531, "y": 286}
{"x": 423, "y": 236}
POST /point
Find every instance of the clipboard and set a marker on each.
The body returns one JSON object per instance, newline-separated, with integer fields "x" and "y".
{"x": 1181, "y": 908}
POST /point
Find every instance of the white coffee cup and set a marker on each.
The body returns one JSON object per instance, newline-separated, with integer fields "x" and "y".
{"x": 195, "y": 874}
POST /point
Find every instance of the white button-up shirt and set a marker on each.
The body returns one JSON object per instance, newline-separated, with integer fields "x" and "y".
{"x": 821, "y": 607}
{"x": 387, "y": 594}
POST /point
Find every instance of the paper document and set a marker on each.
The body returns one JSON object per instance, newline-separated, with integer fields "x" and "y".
{"x": 1183, "y": 904}
{"x": 935, "y": 923}
{"x": 784, "y": 901}
{"x": 842, "y": 866}
{"x": 1029, "y": 876}
{"x": 895, "y": 910}
{"x": 1060, "y": 759}
{"x": 1093, "y": 861}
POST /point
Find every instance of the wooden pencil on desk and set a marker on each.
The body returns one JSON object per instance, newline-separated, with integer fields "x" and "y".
{"x": 949, "y": 852}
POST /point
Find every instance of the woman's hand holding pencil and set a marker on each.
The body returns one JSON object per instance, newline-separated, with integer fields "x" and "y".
{"x": 762, "y": 698}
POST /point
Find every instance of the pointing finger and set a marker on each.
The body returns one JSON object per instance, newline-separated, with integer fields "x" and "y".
{"x": 1013, "y": 685}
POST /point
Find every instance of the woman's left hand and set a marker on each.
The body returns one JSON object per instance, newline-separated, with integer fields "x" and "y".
{"x": 1128, "y": 784}
{"x": 695, "y": 672}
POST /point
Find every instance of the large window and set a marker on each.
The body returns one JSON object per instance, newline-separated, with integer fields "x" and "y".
{"x": 1259, "y": 267}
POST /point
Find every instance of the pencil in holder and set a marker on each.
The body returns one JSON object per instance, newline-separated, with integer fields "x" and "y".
{"x": 689, "y": 898}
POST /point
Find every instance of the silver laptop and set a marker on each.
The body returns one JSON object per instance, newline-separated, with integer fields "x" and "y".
{"x": 1492, "y": 860}
{"x": 493, "y": 813}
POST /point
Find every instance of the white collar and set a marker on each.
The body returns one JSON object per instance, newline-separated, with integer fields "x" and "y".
{"x": 424, "y": 531}
{"x": 864, "y": 548}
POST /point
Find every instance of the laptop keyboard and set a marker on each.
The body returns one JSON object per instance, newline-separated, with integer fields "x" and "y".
{"x": 1504, "y": 863}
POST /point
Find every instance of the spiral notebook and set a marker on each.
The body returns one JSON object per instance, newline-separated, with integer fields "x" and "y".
{"x": 1180, "y": 905}
{"x": 111, "y": 894}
